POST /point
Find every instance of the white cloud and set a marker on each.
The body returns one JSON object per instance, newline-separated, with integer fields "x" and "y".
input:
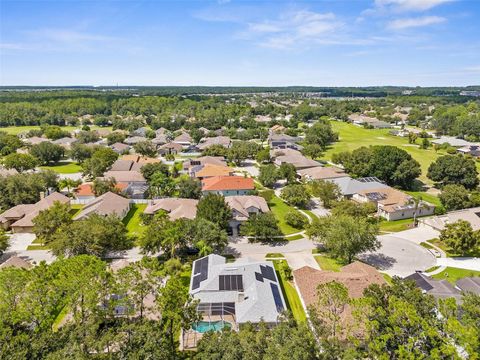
{"x": 406, "y": 23}
{"x": 294, "y": 28}
{"x": 410, "y": 5}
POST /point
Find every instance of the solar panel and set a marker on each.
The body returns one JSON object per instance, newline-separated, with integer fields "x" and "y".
{"x": 200, "y": 272}
{"x": 277, "y": 298}
{"x": 230, "y": 282}
{"x": 258, "y": 276}
{"x": 268, "y": 272}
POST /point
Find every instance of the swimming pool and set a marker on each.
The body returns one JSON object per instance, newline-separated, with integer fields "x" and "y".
{"x": 204, "y": 326}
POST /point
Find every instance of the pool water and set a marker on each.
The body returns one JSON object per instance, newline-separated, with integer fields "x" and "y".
{"x": 204, "y": 326}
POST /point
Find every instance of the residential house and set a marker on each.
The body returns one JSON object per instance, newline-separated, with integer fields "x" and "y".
{"x": 7, "y": 172}
{"x": 439, "y": 289}
{"x": 120, "y": 148}
{"x": 170, "y": 148}
{"x": 84, "y": 192}
{"x": 471, "y": 215}
{"x": 176, "y": 208}
{"x": 65, "y": 142}
{"x": 224, "y": 141}
{"x": 161, "y": 131}
{"x": 283, "y": 141}
{"x": 242, "y": 208}
{"x": 363, "y": 120}
{"x": 209, "y": 170}
{"x": 20, "y": 217}
{"x": 160, "y": 140}
{"x": 134, "y": 140}
{"x": 126, "y": 177}
{"x": 294, "y": 157}
{"x": 393, "y": 204}
{"x": 452, "y": 141}
{"x": 228, "y": 185}
{"x": 349, "y": 187}
{"x": 202, "y": 161}
{"x": 321, "y": 173}
{"x": 356, "y": 277}
{"x": 234, "y": 294}
{"x": 16, "y": 262}
{"x": 104, "y": 205}
{"x": 142, "y": 132}
{"x": 34, "y": 140}
{"x": 184, "y": 139}
{"x": 277, "y": 129}
{"x": 472, "y": 150}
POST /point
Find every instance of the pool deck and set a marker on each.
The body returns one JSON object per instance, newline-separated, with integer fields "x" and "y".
{"x": 189, "y": 338}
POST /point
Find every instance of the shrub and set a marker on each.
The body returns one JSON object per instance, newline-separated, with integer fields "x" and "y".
{"x": 296, "y": 219}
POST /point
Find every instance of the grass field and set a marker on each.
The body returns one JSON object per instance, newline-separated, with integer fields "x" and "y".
{"x": 290, "y": 294}
{"x": 432, "y": 199}
{"x": 64, "y": 167}
{"x": 353, "y": 137}
{"x": 454, "y": 274}
{"x": 133, "y": 220}
{"x": 395, "y": 226}
{"x": 327, "y": 263}
{"x": 15, "y": 130}
{"x": 449, "y": 251}
{"x": 279, "y": 209}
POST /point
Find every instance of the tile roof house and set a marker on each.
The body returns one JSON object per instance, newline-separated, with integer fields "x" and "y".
{"x": 183, "y": 139}
{"x": 360, "y": 119}
{"x": 170, "y": 148}
{"x": 228, "y": 185}
{"x": 356, "y": 277}
{"x": 210, "y": 170}
{"x": 34, "y": 140}
{"x": 243, "y": 291}
{"x": 439, "y": 289}
{"x": 134, "y": 140}
{"x": 204, "y": 160}
{"x": 321, "y": 173}
{"x": 175, "y": 207}
{"x": 160, "y": 140}
{"x": 19, "y": 218}
{"x": 224, "y": 141}
{"x": 16, "y": 262}
{"x": 393, "y": 204}
{"x": 7, "y": 172}
{"x": 127, "y": 177}
{"x": 469, "y": 284}
{"x": 473, "y": 150}
{"x": 294, "y": 157}
{"x": 283, "y": 141}
{"x": 65, "y": 142}
{"x": 243, "y": 207}
{"x": 452, "y": 141}
{"x": 120, "y": 148}
{"x": 106, "y": 204}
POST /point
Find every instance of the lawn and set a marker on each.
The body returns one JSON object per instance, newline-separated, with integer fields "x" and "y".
{"x": 64, "y": 167}
{"x": 290, "y": 294}
{"x": 454, "y": 274}
{"x": 432, "y": 199}
{"x": 312, "y": 215}
{"x": 353, "y": 137}
{"x": 133, "y": 220}
{"x": 15, "y": 130}
{"x": 279, "y": 208}
{"x": 387, "y": 278}
{"x": 75, "y": 209}
{"x": 327, "y": 263}
{"x": 395, "y": 226}
{"x": 449, "y": 251}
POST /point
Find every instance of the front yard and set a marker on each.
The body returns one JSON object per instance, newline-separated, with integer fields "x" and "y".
{"x": 279, "y": 208}
{"x": 453, "y": 274}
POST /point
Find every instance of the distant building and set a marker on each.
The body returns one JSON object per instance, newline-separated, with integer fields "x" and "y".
{"x": 471, "y": 215}
{"x": 224, "y": 141}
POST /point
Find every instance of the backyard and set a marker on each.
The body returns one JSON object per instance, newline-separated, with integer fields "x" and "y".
{"x": 133, "y": 220}
{"x": 64, "y": 167}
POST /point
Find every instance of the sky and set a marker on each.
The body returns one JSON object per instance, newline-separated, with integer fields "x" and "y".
{"x": 240, "y": 43}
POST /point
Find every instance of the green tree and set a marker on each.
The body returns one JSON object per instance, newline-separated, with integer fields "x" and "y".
{"x": 454, "y": 169}
{"x": 165, "y": 235}
{"x": 296, "y": 219}
{"x": 206, "y": 236}
{"x": 55, "y": 132}
{"x": 87, "y": 137}
{"x": 145, "y": 148}
{"x": 288, "y": 172}
{"x": 328, "y": 192}
{"x": 148, "y": 170}
{"x": 295, "y": 195}
{"x": 321, "y": 134}
{"x": 48, "y": 221}
{"x": 268, "y": 175}
{"x": 261, "y": 227}
{"x": 95, "y": 235}
{"x": 461, "y": 237}
{"x": 455, "y": 197}
{"x": 68, "y": 183}
{"x": 102, "y": 186}
{"x": 3, "y": 241}
{"x": 102, "y": 159}
{"x": 9, "y": 143}
{"x": 315, "y": 151}
{"x": 20, "y": 162}
{"x": 160, "y": 185}
{"x": 115, "y": 137}
{"x": 47, "y": 152}
{"x": 353, "y": 209}
{"x": 263, "y": 156}
{"x": 189, "y": 188}
{"x": 80, "y": 152}
{"x": 213, "y": 207}
{"x": 345, "y": 236}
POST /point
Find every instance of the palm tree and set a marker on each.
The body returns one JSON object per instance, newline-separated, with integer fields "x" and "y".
{"x": 69, "y": 184}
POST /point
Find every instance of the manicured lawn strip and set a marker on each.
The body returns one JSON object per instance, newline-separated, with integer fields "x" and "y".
{"x": 133, "y": 221}
{"x": 279, "y": 208}
{"x": 433, "y": 268}
{"x": 38, "y": 247}
{"x": 395, "y": 226}
{"x": 64, "y": 167}
{"x": 75, "y": 209}
{"x": 327, "y": 263}
{"x": 449, "y": 251}
{"x": 274, "y": 255}
{"x": 353, "y": 137}
{"x": 290, "y": 294}
{"x": 427, "y": 245}
{"x": 432, "y": 199}
{"x": 312, "y": 215}
{"x": 453, "y": 274}
{"x": 294, "y": 237}
{"x": 387, "y": 278}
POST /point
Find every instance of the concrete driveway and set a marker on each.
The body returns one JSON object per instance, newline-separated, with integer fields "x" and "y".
{"x": 418, "y": 235}
{"x": 249, "y": 167}
{"x": 399, "y": 256}
{"x": 19, "y": 242}
{"x": 240, "y": 247}
{"x": 298, "y": 260}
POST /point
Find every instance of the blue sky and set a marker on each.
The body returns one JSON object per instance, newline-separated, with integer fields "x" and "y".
{"x": 260, "y": 43}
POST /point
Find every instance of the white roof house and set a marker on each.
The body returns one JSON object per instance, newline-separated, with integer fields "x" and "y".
{"x": 248, "y": 290}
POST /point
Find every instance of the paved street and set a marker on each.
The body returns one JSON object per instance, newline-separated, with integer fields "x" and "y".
{"x": 462, "y": 263}
{"x": 399, "y": 256}
{"x": 249, "y": 167}
{"x": 242, "y": 248}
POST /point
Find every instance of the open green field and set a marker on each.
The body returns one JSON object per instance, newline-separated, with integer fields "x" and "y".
{"x": 64, "y": 167}
{"x": 352, "y": 137}
{"x": 453, "y": 274}
{"x": 279, "y": 208}
{"x": 15, "y": 130}
{"x": 133, "y": 220}
{"x": 290, "y": 294}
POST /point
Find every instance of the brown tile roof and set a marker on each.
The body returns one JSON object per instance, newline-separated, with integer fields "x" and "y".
{"x": 106, "y": 204}
{"x": 356, "y": 277}
{"x": 125, "y": 176}
{"x": 176, "y": 207}
{"x": 84, "y": 190}
{"x": 210, "y": 170}
{"x": 227, "y": 183}
{"x": 320, "y": 173}
{"x": 240, "y": 204}
{"x": 16, "y": 262}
